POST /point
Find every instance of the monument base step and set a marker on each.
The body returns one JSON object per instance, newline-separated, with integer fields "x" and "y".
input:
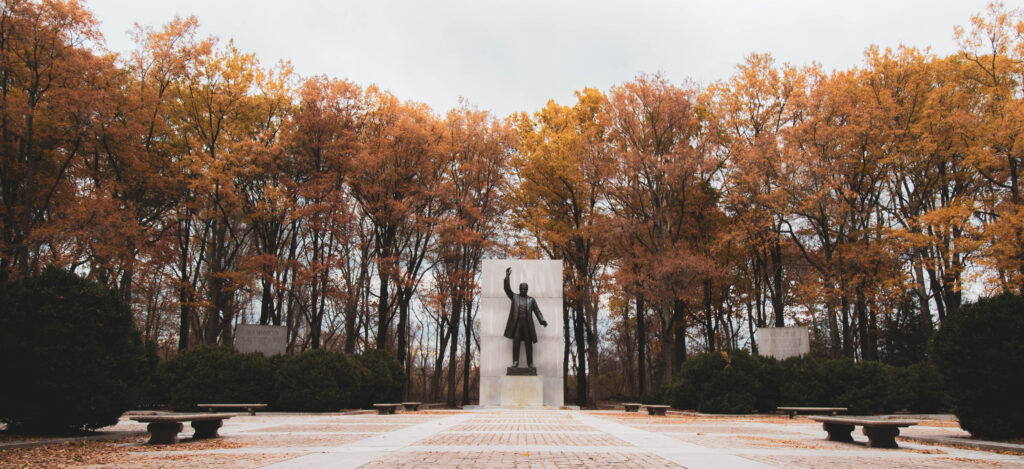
{"x": 522, "y": 391}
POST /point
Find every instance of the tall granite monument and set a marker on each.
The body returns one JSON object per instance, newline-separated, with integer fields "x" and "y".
{"x": 507, "y": 325}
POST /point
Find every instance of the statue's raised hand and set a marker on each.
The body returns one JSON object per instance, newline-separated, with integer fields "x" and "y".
{"x": 508, "y": 272}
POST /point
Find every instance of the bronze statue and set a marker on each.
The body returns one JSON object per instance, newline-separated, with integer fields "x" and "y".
{"x": 520, "y": 327}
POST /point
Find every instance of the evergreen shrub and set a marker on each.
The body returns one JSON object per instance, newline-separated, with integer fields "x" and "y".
{"x": 216, "y": 374}
{"x": 735, "y": 382}
{"x": 70, "y": 356}
{"x": 319, "y": 381}
{"x": 979, "y": 350}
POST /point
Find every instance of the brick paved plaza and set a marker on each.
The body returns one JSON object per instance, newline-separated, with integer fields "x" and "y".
{"x": 507, "y": 438}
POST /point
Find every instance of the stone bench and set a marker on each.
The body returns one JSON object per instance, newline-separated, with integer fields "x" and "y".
{"x": 164, "y": 428}
{"x": 656, "y": 409}
{"x": 881, "y": 433}
{"x": 384, "y": 409}
{"x": 412, "y": 406}
{"x": 632, "y": 406}
{"x": 792, "y": 411}
{"x": 251, "y": 408}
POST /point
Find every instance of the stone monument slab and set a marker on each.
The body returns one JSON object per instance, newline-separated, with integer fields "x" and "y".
{"x": 783, "y": 342}
{"x": 522, "y": 391}
{"x": 545, "y": 286}
{"x": 269, "y": 340}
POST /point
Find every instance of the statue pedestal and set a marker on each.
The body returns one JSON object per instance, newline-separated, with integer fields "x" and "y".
{"x": 521, "y": 371}
{"x": 522, "y": 391}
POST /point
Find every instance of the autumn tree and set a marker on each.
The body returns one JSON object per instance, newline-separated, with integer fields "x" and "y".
{"x": 475, "y": 148}
{"x": 394, "y": 180}
{"x": 993, "y": 52}
{"x": 561, "y": 172}
{"x": 664, "y": 201}
{"x": 49, "y": 77}
{"x": 322, "y": 143}
{"x": 754, "y": 108}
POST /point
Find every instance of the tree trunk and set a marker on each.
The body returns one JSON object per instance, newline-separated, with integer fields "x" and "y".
{"x": 468, "y": 326}
{"x": 679, "y": 329}
{"x": 382, "y": 308}
{"x": 266, "y": 302}
{"x": 868, "y": 351}
{"x": 453, "y": 356}
{"x": 579, "y": 336}
{"x": 641, "y": 345}
{"x": 709, "y": 327}
{"x": 403, "y": 326}
{"x": 592, "y": 350}
{"x": 778, "y": 290}
{"x": 565, "y": 349}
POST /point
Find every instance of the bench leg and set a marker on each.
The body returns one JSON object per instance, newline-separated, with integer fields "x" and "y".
{"x": 792, "y": 414}
{"x": 839, "y": 432}
{"x": 206, "y": 428}
{"x": 392, "y": 410}
{"x": 881, "y": 437}
{"x": 252, "y": 411}
{"x": 163, "y": 433}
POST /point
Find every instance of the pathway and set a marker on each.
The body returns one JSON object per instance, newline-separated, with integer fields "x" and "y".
{"x": 532, "y": 439}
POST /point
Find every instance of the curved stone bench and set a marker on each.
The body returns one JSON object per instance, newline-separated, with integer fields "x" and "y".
{"x": 412, "y": 406}
{"x": 881, "y": 433}
{"x": 792, "y": 411}
{"x": 656, "y": 409}
{"x": 384, "y": 409}
{"x": 164, "y": 428}
{"x": 251, "y": 408}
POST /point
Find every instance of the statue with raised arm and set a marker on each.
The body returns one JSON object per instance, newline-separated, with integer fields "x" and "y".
{"x": 519, "y": 326}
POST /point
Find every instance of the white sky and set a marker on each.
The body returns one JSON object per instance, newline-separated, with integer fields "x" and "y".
{"x": 515, "y": 55}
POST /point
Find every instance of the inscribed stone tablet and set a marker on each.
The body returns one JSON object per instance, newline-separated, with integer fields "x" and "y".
{"x": 270, "y": 340}
{"x": 783, "y": 342}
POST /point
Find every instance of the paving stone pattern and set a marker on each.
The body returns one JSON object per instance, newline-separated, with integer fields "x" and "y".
{"x": 542, "y": 439}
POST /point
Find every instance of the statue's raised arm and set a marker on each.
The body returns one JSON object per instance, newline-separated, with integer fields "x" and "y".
{"x": 508, "y": 287}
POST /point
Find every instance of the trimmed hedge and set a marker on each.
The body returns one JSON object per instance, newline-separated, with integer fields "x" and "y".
{"x": 70, "y": 356}
{"x": 312, "y": 381}
{"x": 384, "y": 380}
{"x": 735, "y": 382}
{"x": 211, "y": 373}
{"x": 318, "y": 381}
{"x": 979, "y": 351}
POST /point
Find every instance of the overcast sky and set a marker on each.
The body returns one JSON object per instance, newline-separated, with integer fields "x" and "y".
{"x": 515, "y": 55}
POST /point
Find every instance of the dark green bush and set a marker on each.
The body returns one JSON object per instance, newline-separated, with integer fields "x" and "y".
{"x": 686, "y": 391}
{"x": 312, "y": 381}
{"x": 727, "y": 382}
{"x": 152, "y": 390}
{"x": 656, "y": 397}
{"x": 979, "y": 351}
{"x": 802, "y": 382}
{"x": 70, "y": 356}
{"x": 210, "y": 373}
{"x": 318, "y": 381}
{"x": 384, "y": 380}
{"x": 737, "y": 382}
{"x": 864, "y": 387}
{"x": 920, "y": 388}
